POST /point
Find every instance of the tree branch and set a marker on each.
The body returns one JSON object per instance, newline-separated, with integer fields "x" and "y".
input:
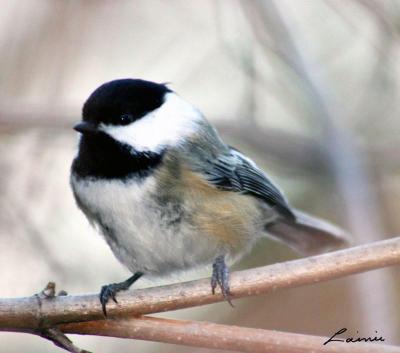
{"x": 60, "y": 340}
{"x": 216, "y": 336}
{"x": 24, "y": 314}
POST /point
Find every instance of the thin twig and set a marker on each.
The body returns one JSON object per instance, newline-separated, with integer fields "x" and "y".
{"x": 60, "y": 340}
{"x": 19, "y": 314}
{"x": 216, "y": 336}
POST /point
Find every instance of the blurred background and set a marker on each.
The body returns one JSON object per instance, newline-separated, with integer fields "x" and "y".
{"x": 307, "y": 88}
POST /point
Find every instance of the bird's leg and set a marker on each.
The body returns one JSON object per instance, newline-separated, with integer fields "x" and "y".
{"x": 110, "y": 290}
{"x": 220, "y": 277}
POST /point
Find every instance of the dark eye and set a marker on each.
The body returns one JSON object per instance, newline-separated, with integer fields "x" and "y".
{"x": 125, "y": 119}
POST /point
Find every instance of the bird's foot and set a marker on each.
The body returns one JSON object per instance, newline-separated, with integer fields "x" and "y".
{"x": 220, "y": 277}
{"x": 109, "y": 291}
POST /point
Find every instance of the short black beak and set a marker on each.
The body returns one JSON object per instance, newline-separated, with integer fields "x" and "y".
{"x": 86, "y": 127}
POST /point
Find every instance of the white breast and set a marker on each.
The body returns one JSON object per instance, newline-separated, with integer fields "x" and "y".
{"x": 134, "y": 226}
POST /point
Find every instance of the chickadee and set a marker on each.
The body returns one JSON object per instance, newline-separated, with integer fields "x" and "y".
{"x": 168, "y": 194}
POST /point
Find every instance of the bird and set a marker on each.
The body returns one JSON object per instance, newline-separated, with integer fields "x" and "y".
{"x": 155, "y": 178}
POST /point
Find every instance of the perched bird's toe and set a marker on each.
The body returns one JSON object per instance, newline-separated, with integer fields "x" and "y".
{"x": 108, "y": 292}
{"x": 220, "y": 277}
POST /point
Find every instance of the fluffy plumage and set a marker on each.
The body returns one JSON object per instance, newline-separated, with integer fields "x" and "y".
{"x": 168, "y": 194}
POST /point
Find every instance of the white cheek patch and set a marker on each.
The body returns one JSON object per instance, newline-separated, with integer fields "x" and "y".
{"x": 165, "y": 126}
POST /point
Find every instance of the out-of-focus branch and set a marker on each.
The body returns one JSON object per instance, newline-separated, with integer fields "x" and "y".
{"x": 342, "y": 155}
{"x": 297, "y": 152}
{"x": 39, "y": 118}
{"x": 383, "y": 14}
{"x": 349, "y": 165}
{"x": 216, "y": 336}
{"x": 19, "y": 314}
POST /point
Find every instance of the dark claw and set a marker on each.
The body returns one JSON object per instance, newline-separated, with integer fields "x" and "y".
{"x": 220, "y": 277}
{"x": 107, "y": 292}
{"x": 110, "y": 290}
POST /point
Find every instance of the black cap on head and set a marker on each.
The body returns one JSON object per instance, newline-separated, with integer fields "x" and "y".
{"x": 123, "y": 101}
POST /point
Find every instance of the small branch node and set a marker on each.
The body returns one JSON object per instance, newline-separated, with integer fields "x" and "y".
{"x": 49, "y": 291}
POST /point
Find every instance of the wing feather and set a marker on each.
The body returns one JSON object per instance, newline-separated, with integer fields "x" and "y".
{"x": 235, "y": 172}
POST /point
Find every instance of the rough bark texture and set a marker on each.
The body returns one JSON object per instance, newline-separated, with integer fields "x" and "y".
{"x": 37, "y": 312}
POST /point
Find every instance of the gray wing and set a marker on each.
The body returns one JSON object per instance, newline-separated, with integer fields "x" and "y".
{"x": 235, "y": 172}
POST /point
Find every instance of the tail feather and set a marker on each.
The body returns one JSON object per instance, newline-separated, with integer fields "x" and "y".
{"x": 308, "y": 235}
